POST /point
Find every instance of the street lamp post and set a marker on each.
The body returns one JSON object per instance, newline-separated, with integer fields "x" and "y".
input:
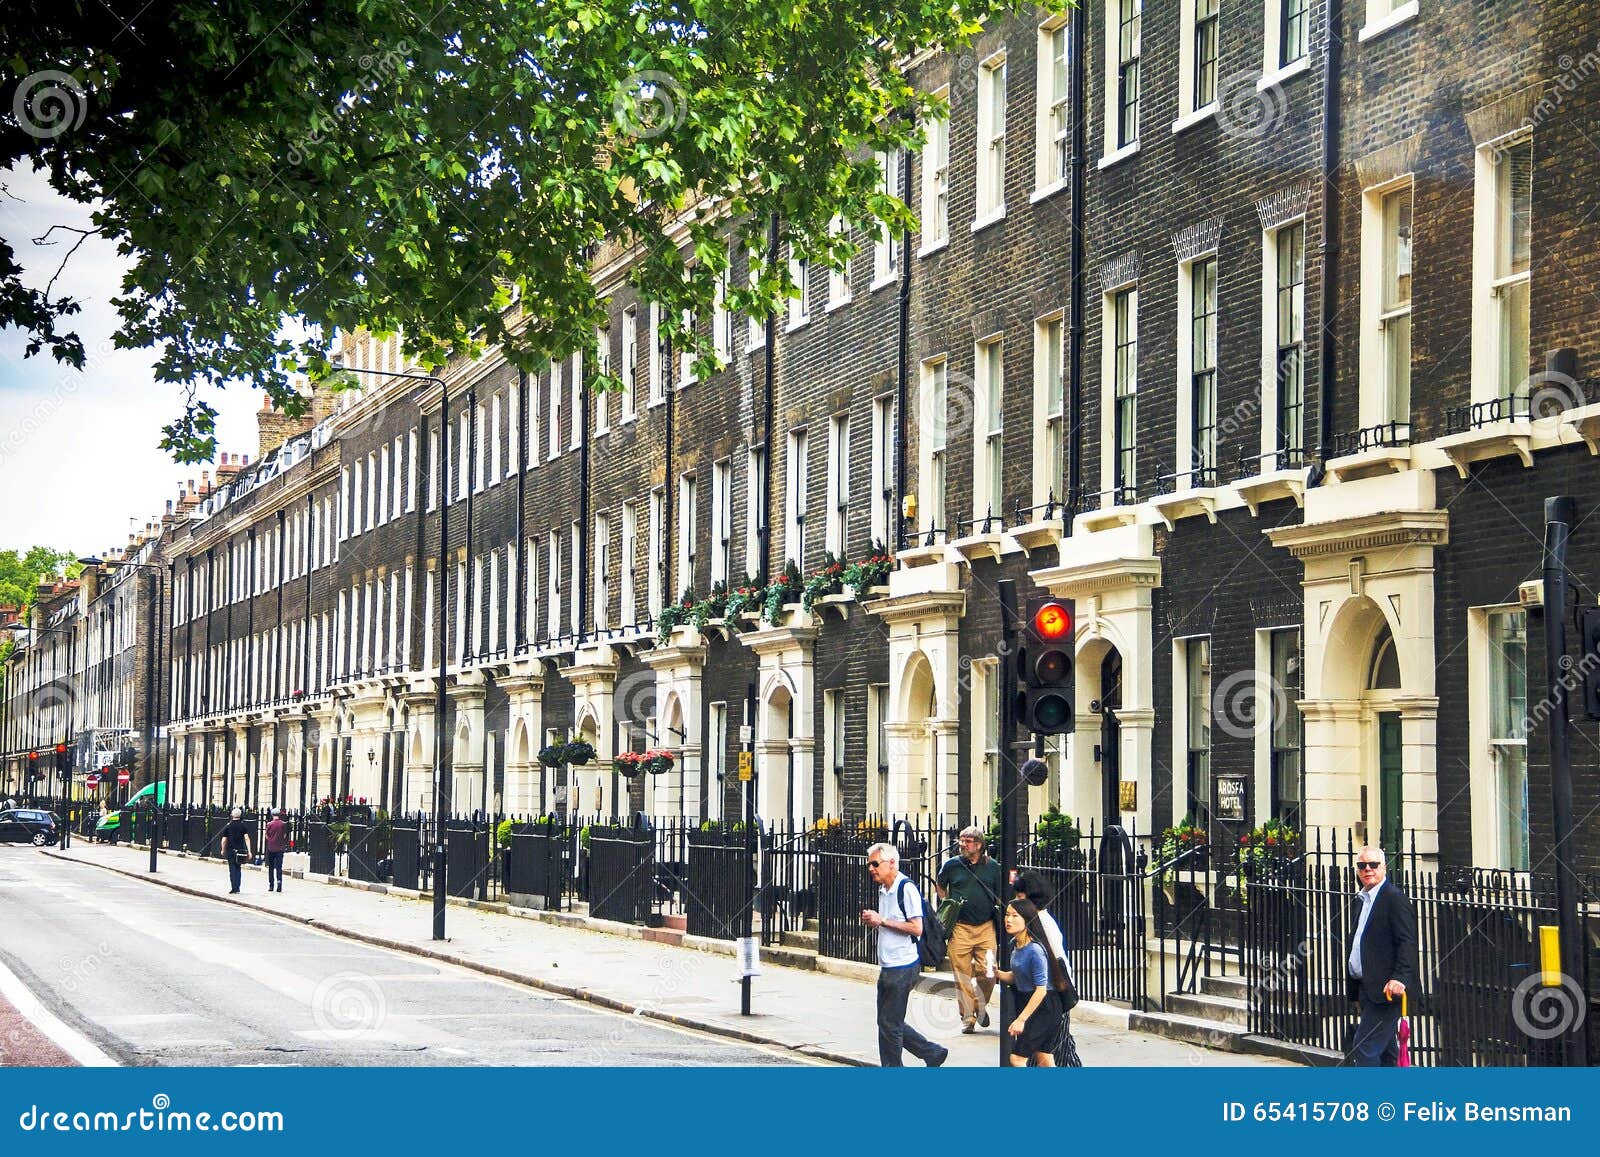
{"x": 157, "y": 599}
{"x": 442, "y": 788}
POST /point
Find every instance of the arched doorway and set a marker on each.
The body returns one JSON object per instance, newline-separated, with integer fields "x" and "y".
{"x": 776, "y": 771}
{"x": 913, "y": 752}
{"x": 1386, "y": 772}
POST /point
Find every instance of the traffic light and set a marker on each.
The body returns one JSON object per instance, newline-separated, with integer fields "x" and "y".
{"x": 1589, "y": 660}
{"x": 1045, "y": 702}
{"x": 63, "y": 757}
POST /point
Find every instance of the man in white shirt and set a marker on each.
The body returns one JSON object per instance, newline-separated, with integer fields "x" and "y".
{"x": 898, "y": 919}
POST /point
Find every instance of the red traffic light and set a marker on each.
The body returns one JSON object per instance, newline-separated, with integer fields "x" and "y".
{"x": 61, "y": 748}
{"x": 33, "y": 755}
{"x": 1052, "y": 621}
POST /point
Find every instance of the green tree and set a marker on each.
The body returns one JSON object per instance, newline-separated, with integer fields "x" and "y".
{"x": 20, "y": 572}
{"x": 415, "y": 169}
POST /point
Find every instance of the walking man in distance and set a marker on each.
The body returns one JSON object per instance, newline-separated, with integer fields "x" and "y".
{"x": 236, "y": 846}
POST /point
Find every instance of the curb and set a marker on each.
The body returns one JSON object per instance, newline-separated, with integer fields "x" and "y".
{"x": 572, "y": 992}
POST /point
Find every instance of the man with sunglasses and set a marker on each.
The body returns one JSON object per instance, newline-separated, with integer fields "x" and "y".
{"x": 1383, "y": 962}
{"x": 974, "y": 879}
{"x": 898, "y": 919}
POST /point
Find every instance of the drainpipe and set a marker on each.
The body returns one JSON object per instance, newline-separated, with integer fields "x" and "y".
{"x": 902, "y": 371}
{"x": 1074, "y": 494}
{"x": 768, "y": 361}
{"x": 1332, "y": 58}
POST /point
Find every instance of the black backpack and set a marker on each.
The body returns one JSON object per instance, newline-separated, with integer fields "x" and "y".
{"x": 931, "y": 945}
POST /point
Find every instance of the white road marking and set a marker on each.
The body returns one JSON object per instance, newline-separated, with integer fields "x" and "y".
{"x": 72, "y": 1042}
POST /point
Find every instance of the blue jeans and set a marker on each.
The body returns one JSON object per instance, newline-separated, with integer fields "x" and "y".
{"x": 894, "y": 1034}
{"x": 235, "y": 871}
{"x": 1374, "y": 1043}
{"x": 274, "y": 870}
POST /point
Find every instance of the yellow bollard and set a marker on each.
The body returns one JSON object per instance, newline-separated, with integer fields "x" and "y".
{"x": 1550, "y": 954}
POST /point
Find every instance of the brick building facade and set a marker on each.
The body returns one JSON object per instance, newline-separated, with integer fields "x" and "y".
{"x": 1229, "y": 328}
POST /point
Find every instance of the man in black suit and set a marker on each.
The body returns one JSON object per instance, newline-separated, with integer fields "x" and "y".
{"x": 1383, "y": 962}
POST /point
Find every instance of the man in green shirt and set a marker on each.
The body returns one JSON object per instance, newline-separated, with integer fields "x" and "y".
{"x": 974, "y": 879}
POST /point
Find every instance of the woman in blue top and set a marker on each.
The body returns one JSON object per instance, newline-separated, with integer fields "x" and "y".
{"x": 1033, "y": 974}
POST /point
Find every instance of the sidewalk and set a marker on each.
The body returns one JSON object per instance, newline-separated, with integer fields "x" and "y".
{"x": 818, "y": 1015}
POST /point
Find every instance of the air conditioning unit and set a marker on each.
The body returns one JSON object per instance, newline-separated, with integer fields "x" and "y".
{"x": 1531, "y": 594}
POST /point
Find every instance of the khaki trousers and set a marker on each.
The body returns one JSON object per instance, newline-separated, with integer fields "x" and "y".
{"x": 969, "y": 945}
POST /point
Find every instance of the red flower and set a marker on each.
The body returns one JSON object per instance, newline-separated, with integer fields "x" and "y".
{"x": 1244, "y": 839}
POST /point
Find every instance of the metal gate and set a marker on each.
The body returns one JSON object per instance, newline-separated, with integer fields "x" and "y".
{"x": 408, "y": 854}
{"x": 621, "y": 874}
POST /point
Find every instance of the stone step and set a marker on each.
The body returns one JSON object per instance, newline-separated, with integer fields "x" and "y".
{"x": 788, "y": 957}
{"x": 807, "y": 940}
{"x": 1228, "y": 1010}
{"x": 678, "y": 923}
{"x": 1236, "y": 987}
{"x": 1193, "y": 1030}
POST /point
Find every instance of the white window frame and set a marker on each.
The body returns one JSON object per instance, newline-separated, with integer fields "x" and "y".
{"x": 880, "y": 484}
{"x": 1489, "y": 832}
{"x": 886, "y": 242}
{"x": 755, "y": 508}
{"x": 991, "y": 146}
{"x": 1191, "y": 108}
{"x": 630, "y": 364}
{"x": 535, "y": 420}
{"x": 933, "y": 447}
{"x": 1272, "y": 242}
{"x": 796, "y": 490}
{"x": 1386, "y": 15}
{"x": 656, "y": 375}
{"x": 1053, "y": 114}
{"x": 1381, "y": 398}
{"x": 628, "y": 603}
{"x": 1108, "y": 391}
{"x": 480, "y": 435}
{"x": 553, "y": 449}
{"x": 988, "y": 432}
{"x": 1275, "y": 66}
{"x": 1115, "y": 148}
{"x": 1187, "y": 463}
{"x": 575, "y": 579}
{"x": 935, "y": 213}
{"x": 655, "y": 553}
{"x": 552, "y": 616}
{"x": 838, "y": 512}
{"x": 601, "y": 550}
{"x": 688, "y": 529}
{"x": 1495, "y": 290}
{"x": 721, "y": 521}
{"x": 575, "y": 388}
{"x": 838, "y": 279}
{"x": 722, "y": 318}
{"x": 1049, "y": 409}
{"x": 601, "y": 399}
{"x": 755, "y": 327}
{"x": 799, "y": 305}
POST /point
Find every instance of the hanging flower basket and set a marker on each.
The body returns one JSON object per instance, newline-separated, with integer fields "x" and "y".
{"x": 629, "y": 764}
{"x": 554, "y": 755}
{"x": 580, "y": 753}
{"x": 658, "y": 762}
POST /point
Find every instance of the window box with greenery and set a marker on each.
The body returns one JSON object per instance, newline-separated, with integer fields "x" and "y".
{"x": 871, "y": 571}
{"x": 783, "y": 590}
{"x": 827, "y": 581}
{"x": 743, "y": 599}
{"x": 1182, "y": 847}
{"x": 1264, "y": 851}
{"x": 673, "y": 615}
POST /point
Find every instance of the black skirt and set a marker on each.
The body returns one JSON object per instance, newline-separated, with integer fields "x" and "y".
{"x": 1043, "y": 1027}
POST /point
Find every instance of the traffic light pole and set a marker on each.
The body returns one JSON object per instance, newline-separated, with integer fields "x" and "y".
{"x": 1008, "y": 783}
{"x": 1558, "y": 516}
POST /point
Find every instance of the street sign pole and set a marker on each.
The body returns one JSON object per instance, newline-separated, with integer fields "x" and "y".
{"x": 748, "y": 783}
{"x": 1008, "y": 783}
{"x": 1559, "y": 514}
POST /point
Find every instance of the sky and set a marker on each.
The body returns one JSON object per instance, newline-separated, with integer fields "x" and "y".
{"x": 79, "y": 464}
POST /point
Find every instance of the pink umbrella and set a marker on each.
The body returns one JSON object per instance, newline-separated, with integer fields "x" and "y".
{"x": 1403, "y": 1033}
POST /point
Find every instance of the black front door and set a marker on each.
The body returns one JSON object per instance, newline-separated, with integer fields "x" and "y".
{"x": 1110, "y": 738}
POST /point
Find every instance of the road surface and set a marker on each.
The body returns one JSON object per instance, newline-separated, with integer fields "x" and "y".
{"x": 155, "y": 977}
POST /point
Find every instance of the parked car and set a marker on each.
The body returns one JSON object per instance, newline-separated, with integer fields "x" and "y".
{"x": 28, "y": 826}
